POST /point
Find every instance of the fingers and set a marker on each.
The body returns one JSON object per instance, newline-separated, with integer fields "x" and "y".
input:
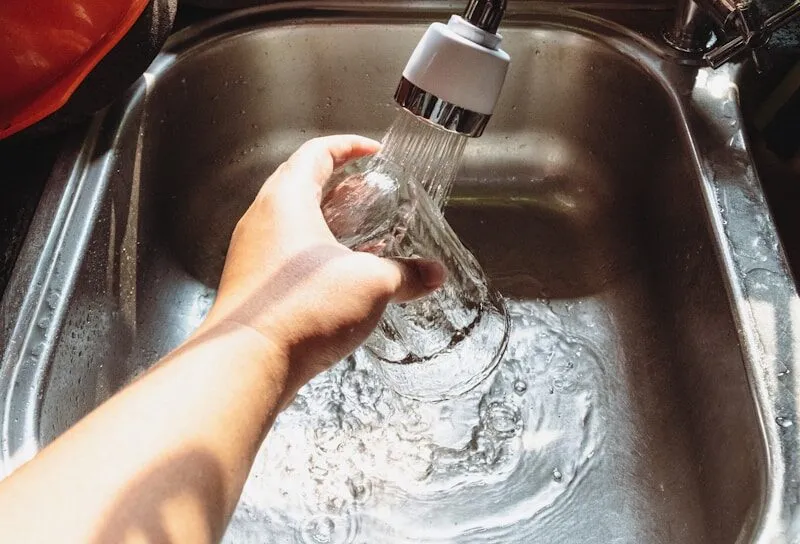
{"x": 316, "y": 160}
{"x": 291, "y": 196}
{"x": 413, "y": 278}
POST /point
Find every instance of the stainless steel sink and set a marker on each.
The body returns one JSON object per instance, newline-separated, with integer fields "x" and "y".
{"x": 612, "y": 195}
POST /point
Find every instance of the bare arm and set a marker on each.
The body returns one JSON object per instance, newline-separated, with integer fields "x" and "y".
{"x": 165, "y": 459}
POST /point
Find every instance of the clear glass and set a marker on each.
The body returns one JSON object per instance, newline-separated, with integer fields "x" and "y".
{"x": 446, "y": 343}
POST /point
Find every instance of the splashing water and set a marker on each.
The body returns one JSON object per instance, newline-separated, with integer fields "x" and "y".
{"x": 448, "y": 341}
{"x": 351, "y": 461}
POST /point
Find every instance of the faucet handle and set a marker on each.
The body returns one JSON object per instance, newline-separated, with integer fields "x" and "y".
{"x": 753, "y": 37}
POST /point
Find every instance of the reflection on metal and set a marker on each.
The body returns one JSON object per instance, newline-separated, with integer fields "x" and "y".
{"x": 448, "y": 116}
{"x": 724, "y": 30}
{"x": 614, "y": 186}
{"x": 485, "y": 14}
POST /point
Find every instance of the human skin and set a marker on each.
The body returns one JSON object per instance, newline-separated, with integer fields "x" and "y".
{"x": 165, "y": 459}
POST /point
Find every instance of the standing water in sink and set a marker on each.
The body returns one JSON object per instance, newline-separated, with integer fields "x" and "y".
{"x": 351, "y": 461}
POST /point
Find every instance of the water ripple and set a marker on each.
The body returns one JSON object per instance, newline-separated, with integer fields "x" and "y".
{"x": 351, "y": 461}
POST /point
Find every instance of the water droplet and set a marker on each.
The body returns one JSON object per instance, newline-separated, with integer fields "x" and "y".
{"x": 557, "y": 476}
{"x": 360, "y": 488}
{"x": 784, "y": 422}
{"x": 502, "y": 419}
{"x": 520, "y": 387}
{"x": 320, "y": 530}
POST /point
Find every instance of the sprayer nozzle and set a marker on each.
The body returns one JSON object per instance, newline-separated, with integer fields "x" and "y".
{"x": 485, "y": 14}
{"x": 456, "y": 72}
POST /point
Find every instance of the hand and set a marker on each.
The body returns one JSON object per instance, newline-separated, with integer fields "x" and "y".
{"x": 287, "y": 278}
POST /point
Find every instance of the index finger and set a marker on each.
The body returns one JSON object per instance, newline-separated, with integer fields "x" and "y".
{"x": 315, "y": 160}
{"x": 293, "y": 193}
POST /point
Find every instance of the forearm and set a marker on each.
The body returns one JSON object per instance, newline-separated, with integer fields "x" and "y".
{"x": 165, "y": 460}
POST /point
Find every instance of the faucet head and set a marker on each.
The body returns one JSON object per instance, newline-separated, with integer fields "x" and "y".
{"x": 454, "y": 76}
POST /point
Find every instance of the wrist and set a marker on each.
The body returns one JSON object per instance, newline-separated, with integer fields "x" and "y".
{"x": 250, "y": 346}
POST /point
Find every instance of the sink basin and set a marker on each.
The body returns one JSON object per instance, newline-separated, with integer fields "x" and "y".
{"x": 650, "y": 376}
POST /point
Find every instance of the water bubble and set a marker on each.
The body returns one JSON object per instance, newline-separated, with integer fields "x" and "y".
{"x": 360, "y": 488}
{"x": 503, "y": 419}
{"x": 520, "y": 387}
{"x": 320, "y": 530}
{"x": 561, "y": 385}
{"x": 784, "y": 422}
{"x": 557, "y": 476}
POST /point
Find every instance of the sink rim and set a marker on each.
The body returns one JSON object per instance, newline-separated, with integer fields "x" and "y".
{"x": 73, "y": 194}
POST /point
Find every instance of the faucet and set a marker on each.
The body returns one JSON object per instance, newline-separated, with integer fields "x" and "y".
{"x": 454, "y": 76}
{"x": 700, "y": 25}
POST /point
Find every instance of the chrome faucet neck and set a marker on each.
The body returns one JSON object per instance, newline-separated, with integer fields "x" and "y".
{"x": 739, "y": 26}
{"x": 485, "y": 14}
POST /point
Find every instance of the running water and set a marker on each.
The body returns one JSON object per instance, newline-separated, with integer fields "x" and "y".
{"x": 447, "y": 342}
{"x": 427, "y": 152}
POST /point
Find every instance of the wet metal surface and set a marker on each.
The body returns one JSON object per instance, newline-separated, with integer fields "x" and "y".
{"x": 612, "y": 200}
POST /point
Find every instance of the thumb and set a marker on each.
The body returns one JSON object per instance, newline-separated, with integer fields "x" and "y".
{"x": 414, "y": 278}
